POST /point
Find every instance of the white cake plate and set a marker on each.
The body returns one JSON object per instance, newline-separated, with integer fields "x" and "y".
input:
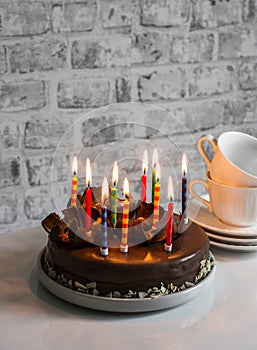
{"x": 122, "y": 304}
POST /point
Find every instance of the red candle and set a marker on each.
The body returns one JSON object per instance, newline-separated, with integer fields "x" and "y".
{"x": 144, "y": 177}
{"x": 88, "y": 195}
{"x": 168, "y": 242}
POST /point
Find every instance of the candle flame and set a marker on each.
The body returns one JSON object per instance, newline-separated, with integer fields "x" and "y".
{"x": 88, "y": 174}
{"x": 145, "y": 162}
{"x": 170, "y": 189}
{"x": 184, "y": 165}
{"x": 158, "y": 171}
{"x": 74, "y": 165}
{"x": 115, "y": 174}
{"x": 155, "y": 158}
{"x": 126, "y": 187}
{"x": 105, "y": 190}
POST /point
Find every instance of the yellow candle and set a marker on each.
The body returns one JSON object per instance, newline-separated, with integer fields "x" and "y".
{"x": 74, "y": 182}
{"x": 157, "y": 191}
{"x": 125, "y": 219}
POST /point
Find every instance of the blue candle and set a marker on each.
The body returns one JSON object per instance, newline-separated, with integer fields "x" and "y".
{"x": 184, "y": 188}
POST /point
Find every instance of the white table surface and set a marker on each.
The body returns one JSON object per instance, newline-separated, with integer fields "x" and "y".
{"x": 223, "y": 317}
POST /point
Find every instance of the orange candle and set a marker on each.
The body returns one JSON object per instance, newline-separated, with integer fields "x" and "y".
{"x": 74, "y": 182}
{"x": 157, "y": 191}
{"x": 125, "y": 219}
{"x": 168, "y": 243}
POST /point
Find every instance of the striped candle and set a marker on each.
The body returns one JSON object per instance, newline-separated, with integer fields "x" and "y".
{"x": 125, "y": 219}
{"x": 104, "y": 248}
{"x": 184, "y": 188}
{"x": 74, "y": 182}
{"x": 156, "y": 203}
{"x": 114, "y": 195}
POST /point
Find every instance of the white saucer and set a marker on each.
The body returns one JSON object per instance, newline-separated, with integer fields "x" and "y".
{"x": 231, "y": 240}
{"x": 234, "y": 248}
{"x": 198, "y": 213}
{"x": 122, "y": 304}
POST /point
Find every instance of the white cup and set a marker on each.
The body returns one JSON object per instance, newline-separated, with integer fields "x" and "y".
{"x": 234, "y": 161}
{"x": 236, "y": 206}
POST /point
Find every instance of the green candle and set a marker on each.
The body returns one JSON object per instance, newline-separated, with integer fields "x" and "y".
{"x": 154, "y": 177}
{"x": 114, "y": 195}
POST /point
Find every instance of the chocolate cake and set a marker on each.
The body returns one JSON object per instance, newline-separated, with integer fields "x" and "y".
{"x": 73, "y": 252}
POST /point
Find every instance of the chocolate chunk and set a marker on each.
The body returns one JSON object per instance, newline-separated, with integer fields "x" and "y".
{"x": 50, "y": 221}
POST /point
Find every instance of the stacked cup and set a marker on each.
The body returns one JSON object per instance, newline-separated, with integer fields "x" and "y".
{"x": 231, "y": 178}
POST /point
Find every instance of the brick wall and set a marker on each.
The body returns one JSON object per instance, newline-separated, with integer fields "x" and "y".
{"x": 61, "y": 60}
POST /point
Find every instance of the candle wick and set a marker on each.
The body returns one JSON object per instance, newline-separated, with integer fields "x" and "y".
{"x": 74, "y": 173}
{"x": 171, "y": 199}
{"x": 114, "y": 183}
{"x": 144, "y": 171}
{"x": 88, "y": 184}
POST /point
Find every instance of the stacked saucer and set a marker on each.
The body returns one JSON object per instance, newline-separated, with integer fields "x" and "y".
{"x": 229, "y": 213}
{"x": 221, "y": 235}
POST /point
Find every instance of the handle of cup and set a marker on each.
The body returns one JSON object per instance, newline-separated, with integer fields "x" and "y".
{"x": 195, "y": 195}
{"x": 213, "y": 142}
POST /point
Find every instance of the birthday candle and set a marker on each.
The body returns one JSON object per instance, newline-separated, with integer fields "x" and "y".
{"x": 144, "y": 177}
{"x": 114, "y": 194}
{"x": 168, "y": 242}
{"x": 104, "y": 248}
{"x": 74, "y": 182}
{"x": 157, "y": 190}
{"x": 88, "y": 195}
{"x": 154, "y": 162}
{"x": 125, "y": 219}
{"x": 184, "y": 188}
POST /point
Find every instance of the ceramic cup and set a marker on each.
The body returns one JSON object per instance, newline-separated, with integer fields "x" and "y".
{"x": 234, "y": 162}
{"x": 236, "y": 206}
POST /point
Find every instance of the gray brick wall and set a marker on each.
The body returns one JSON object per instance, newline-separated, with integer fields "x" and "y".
{"x": 187, "y": 67}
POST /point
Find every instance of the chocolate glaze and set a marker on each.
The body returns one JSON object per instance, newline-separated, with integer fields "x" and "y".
{"x": 141, "y": 268}
{"x": 73, "y": 251}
